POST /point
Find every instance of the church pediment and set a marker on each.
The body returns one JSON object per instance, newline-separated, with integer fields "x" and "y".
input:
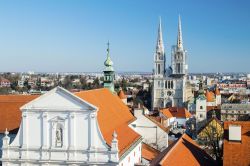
{"x": 58, "y": 99}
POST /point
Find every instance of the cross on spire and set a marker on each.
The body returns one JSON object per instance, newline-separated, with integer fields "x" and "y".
{"x": 108, "y": 48}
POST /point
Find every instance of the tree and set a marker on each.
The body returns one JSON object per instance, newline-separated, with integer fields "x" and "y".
{"x": 124, "y": 83}
{"x": 212, "y": 135}
{"x": 96, "y": 83}
{"x": 67, "y": 84}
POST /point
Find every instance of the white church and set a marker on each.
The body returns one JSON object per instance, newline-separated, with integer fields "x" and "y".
{"x": 61, "y": 128}
{"x": 169, "y": 82}
{"x": 84, "y": 128}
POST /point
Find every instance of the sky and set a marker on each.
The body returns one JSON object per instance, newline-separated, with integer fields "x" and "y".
{"x": 72, "y": 35}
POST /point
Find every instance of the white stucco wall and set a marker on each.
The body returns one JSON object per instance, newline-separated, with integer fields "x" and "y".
{"x": 181, "y": 121}
{"x": 82, "y": 141}
{"x": 147, "y": 129}
{"x": 134, "y": 157}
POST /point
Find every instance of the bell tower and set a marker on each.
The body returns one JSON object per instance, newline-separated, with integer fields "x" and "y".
{"x": 159, "y": 57}
{"x": 109, "y": 73}
{"x": 179, "y": 69}
{"x": 158, "y": 91}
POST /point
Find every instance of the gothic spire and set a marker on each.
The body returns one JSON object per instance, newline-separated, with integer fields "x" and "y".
{"x": 160, "y": 46}
{"x": 179, "y": 38}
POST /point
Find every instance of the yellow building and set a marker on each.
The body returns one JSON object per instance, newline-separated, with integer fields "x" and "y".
{"x": 212, "y": 130}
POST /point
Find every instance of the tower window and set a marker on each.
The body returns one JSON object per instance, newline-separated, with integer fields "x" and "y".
{"x": 159, "y": 69}
{"x": 178, "y": 68}
{"x": 201, "y": 107}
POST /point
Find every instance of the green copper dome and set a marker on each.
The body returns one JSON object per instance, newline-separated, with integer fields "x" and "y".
{"x": 108, "y": 61}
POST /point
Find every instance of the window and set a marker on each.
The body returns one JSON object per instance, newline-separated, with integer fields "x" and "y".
{"x": 159, "y": 68}
{"x": 178, "y": 68}
{"x": 201, "y": 116}
{"x": 134, "y": 154}
{"x": 128, "y": 159}
{"x": 201, "y": 107}
{"x": 172, "y": 85}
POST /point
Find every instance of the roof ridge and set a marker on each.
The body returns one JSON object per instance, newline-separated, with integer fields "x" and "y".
{"x": 171, "y": 149}
{"x": 89, "y": 90}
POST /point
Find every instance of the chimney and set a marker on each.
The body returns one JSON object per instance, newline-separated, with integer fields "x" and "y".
{"x": 234, "y": 133}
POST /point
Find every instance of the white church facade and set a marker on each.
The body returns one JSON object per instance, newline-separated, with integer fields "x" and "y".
{"x": 169, "y": 83}
{"x": 61, "y": 128}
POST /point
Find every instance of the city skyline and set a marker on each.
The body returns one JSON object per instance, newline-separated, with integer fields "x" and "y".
{"x": 71, "y": 36}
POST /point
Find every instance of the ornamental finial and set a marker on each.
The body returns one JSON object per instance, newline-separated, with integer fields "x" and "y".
{"x": 6, "y": 132}
{"x": 114, "y": 135}
{"x": 108, "y": 48}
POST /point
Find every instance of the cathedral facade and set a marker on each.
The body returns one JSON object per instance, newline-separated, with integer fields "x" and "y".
{"x": 169, "y": 83}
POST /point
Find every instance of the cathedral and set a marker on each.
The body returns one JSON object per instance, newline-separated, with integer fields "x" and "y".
{"x": 169, "y": 82}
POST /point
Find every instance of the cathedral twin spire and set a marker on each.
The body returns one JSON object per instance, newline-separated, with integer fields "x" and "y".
{"x": 179, "y": 37}
{"x": 160, "y": 45}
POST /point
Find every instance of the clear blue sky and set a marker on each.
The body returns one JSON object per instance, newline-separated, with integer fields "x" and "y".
{"x": 60, "y": 36}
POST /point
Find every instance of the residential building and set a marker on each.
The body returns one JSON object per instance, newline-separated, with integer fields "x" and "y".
{"x": 184, "y": 151}
{"x": 4, "y": 82}
{"x": 152, "y": 132}
{"x": 148, "y": 154}
{"x": 236, "y": 146}
{"x": 167, "y": 119}
{"x": 235, "y": 112}
{"x": 179, "y": 115}
{"x": 212, "y": 131}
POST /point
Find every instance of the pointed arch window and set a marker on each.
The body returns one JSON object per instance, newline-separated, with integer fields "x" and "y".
{"x": 159, "y": 69}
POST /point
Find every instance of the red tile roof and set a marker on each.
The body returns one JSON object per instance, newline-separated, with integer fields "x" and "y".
{"x": 2, "y": 79}
{"x": 183, "y": 152}
{"x": 180, "y": 112}
{"x": 121, "y": 94}
{"x": 10, "y": 114}
{"x": 217, "y": 91}
{"x": 166, "y": 113}
{"x": 148, "y": 152}
{"x": 157, "y": 121}
{"x": 210, "y": 96}
{"x": 113, "y": 115}
{"x": 216, "y": 108}
{"x": 237, "y": 153}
